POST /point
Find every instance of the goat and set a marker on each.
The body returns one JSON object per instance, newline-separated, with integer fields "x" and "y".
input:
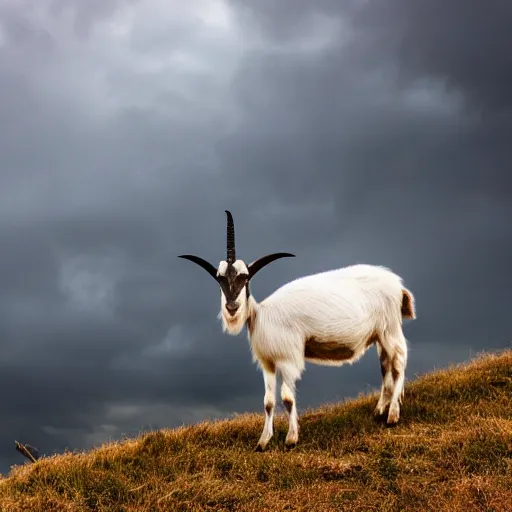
{"x": 328, "y": 318}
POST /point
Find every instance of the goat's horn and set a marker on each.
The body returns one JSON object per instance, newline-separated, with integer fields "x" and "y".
{"x": 202, "y": 263}
{"x": 231, "y": 253}
{"x": 258, "y": 264}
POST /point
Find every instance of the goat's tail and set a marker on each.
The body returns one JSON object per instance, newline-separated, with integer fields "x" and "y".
{"x": 408, "y": 306}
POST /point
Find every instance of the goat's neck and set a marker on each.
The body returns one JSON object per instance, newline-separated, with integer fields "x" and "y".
{"x": 252, "y": 313}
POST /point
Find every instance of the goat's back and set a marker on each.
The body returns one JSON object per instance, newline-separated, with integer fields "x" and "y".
{"x": 355, "y": 300}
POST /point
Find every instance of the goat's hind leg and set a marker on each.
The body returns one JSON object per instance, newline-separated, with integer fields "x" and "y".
{"x": 396, "y": 348}
{"x": 386, "y": 390}
{"x": 269, "y": 377}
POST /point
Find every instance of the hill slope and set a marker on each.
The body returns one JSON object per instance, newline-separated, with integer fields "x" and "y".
{"x": 451, "y": 451}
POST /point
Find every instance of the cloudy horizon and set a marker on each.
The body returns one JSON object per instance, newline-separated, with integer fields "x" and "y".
{"x": 363, "y": 132}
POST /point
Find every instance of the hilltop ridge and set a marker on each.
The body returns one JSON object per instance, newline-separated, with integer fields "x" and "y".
{"x": 452, "y": 450}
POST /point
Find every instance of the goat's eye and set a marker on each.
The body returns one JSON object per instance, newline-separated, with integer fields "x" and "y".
{"x": 240, "y": 279}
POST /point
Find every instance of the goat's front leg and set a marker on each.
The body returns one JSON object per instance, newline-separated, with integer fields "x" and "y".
{"x": 290, "y": 376}
{"x": 269, "y": 376}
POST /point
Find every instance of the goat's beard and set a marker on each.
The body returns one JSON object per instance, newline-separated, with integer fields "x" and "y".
{"x": 234, "y": 324}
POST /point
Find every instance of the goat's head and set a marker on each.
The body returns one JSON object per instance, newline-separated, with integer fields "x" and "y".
{"x": 233, "y": 277}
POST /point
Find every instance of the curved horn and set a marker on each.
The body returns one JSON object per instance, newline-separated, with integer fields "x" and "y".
{"x": 258, "y": 264}
{"x": 202, "y": 263}
{"x": 231, "y": 253}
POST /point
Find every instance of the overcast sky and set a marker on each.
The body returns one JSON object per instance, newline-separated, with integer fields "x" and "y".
{"x": 344, "y": 132}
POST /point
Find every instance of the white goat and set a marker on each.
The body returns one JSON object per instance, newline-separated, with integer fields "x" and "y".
{"x": 329, "y": 318}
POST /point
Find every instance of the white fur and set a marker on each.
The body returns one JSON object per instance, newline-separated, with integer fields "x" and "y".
{"x": 239, "y": 266}
{"x": 347, "y": 306}
{"x": 234, "y": 324}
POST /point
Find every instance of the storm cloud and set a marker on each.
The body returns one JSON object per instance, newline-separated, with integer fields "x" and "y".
{"x": 374, "y": 132}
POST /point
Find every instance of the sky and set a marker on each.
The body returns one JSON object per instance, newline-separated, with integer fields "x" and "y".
{"x": 343, "y": 132}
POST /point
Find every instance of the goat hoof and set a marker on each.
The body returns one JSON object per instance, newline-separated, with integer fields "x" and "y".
{"x": 379, "y": 417}
{"x": 392, "y": 421}
{"x": 258, "y": 448}
{"x": 290, "y": 446}
{"x": 393, "y": 416}
{"x": 380, "y": 411}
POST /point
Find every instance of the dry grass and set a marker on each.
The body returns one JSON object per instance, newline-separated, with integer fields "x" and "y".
{"x": 452, "y": 452}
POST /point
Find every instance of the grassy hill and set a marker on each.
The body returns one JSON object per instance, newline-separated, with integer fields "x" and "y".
{"x": 452, "y": 452}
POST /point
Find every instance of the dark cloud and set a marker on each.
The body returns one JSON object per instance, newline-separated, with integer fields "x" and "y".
{"x": 408, "y": 149}
{"x": 363, "y": 132}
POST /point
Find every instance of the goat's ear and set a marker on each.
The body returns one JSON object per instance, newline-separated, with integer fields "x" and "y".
{"x": 202, "y": 263}
{"x": 258, "y": 264}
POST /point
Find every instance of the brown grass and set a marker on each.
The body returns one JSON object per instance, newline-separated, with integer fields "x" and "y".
{"x": 452, "y": 451}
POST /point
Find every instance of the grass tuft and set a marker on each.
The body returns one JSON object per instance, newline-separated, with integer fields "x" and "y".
{"x": 452, "y": 450}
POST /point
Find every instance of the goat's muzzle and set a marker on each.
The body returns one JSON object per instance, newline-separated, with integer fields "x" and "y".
{"x": 232, "y": 308}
